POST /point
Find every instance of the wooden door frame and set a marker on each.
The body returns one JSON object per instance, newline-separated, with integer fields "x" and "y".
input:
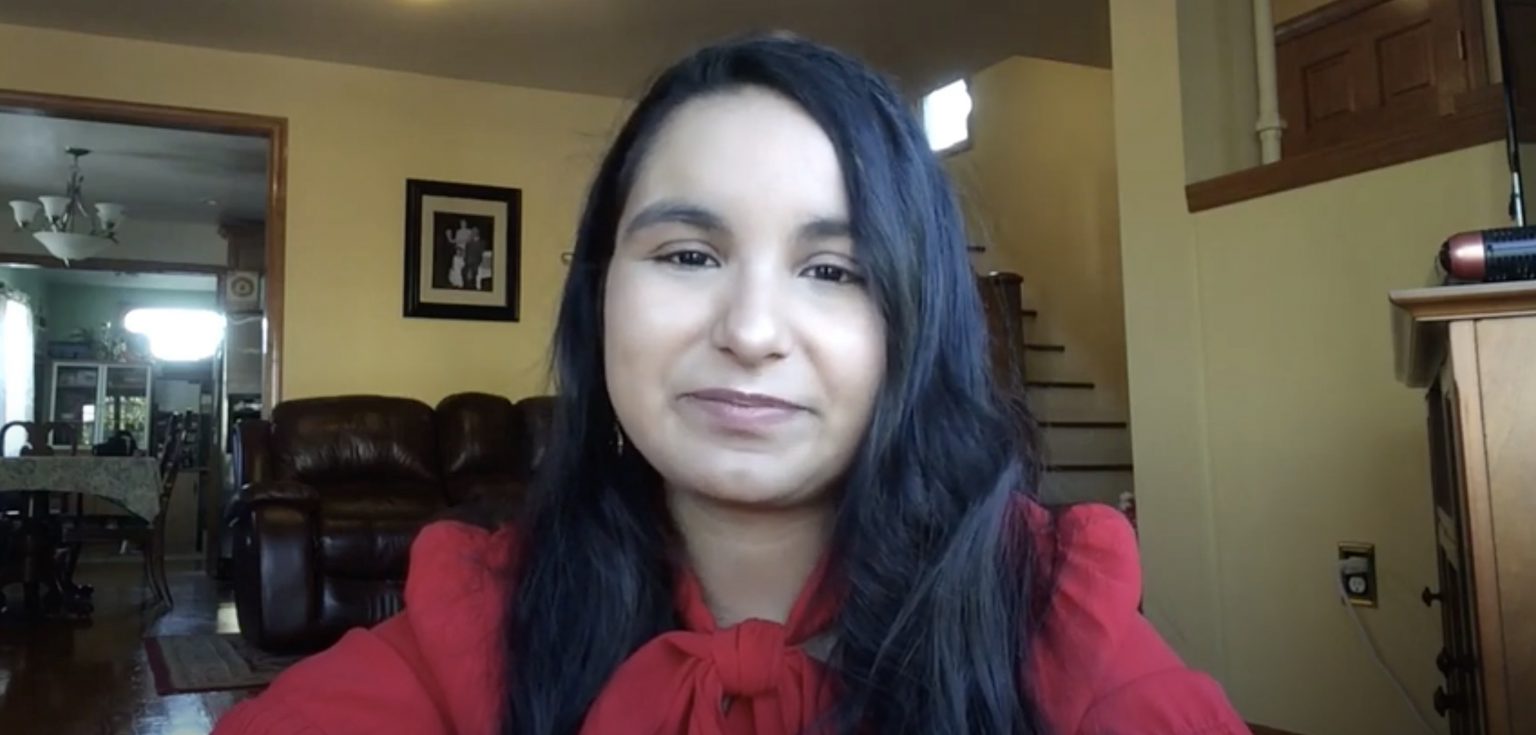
{"x": 273, "y": 129}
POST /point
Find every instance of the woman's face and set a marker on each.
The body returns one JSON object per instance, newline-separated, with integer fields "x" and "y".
{"x": 743, "y": 348}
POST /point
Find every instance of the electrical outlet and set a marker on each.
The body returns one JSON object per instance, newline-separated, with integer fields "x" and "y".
{"x": 1357, "y": 573}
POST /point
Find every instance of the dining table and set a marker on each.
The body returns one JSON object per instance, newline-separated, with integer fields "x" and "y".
{"x": 33, "y": 557}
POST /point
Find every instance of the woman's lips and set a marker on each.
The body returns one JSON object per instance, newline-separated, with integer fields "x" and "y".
{"x": 741, "y": 412}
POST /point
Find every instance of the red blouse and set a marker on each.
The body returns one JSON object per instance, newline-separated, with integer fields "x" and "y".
{"x": 1098, "y": 667}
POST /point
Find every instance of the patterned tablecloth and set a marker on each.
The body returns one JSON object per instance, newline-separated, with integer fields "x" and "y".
{"x": 134, "y": 482}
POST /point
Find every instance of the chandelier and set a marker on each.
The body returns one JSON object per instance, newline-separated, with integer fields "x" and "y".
{"x": 67, "y": 229}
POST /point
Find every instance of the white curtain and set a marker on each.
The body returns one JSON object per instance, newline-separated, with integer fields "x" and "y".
{"x": 16, "y": 367}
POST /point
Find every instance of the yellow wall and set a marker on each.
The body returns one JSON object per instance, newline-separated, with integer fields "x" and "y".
{"x": 1038, "y": 184}
{"x": 1218, "y": 79}
{"x": 1267, "y": 425}
{"x": 356, "y": 135}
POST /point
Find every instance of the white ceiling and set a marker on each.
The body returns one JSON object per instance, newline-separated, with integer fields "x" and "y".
{"x": 110, "y": 279}
{"x": 158, "y": 174}
{"x": 598, "y": 46}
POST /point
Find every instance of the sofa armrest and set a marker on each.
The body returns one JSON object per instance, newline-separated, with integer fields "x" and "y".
{"x": 253, "y": 455}
{"x": 276, "y": 566}
{"x": 285, "y": 491}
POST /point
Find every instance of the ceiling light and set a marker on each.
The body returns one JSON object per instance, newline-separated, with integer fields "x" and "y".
{"x": 67, "y": 229}
{"x": 178, "y": 335}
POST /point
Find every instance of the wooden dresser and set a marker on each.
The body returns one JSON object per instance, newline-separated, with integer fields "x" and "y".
{"x": 1473, "y": 349}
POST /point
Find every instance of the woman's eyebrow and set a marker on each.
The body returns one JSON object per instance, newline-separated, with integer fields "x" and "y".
{"x": 675, "y": 212}
{"x": 825, "y": 228}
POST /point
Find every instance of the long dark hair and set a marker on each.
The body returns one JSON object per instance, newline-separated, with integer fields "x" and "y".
{"x": 929, "y": 545}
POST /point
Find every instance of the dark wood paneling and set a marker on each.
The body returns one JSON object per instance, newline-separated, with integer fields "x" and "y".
{"x": 1327, "y": 90}
{"x": 1520, "y": 28}
{"x": 1326, "y": 15}
{"x": 1356, "y": 70}
{"x": 1407, "y": 61}
{"x": 1478, "y": 119}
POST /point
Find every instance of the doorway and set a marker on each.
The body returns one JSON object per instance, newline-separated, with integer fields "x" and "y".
{"x": 199, "y": 249}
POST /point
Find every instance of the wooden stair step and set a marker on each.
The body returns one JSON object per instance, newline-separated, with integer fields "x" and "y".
{"x": 1067, "y": 384}
{"x": 1041, "y": 347}
{"x": 1089, "y": 467}
{"x": 1084, "y": 425}
{"x": 1061, "y": 488}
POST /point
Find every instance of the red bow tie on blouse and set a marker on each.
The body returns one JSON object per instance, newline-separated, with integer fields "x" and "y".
{"x": 753, "y": 677}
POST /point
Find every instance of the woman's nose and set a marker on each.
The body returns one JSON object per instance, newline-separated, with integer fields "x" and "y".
{"x": 750, "y": 322}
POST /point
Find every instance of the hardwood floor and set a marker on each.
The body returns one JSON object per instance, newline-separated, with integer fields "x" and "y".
{"x": 91, "y": 678}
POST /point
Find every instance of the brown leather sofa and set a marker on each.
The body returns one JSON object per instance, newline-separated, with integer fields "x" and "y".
{"x": 333, "y": 491}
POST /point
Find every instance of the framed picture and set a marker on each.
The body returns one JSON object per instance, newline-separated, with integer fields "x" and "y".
{"x": 463, "y": 251}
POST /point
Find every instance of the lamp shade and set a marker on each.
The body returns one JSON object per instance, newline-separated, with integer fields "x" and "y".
{"x": 55, "y": 206}
{"x": 67, "y": 246}
{"x": 25, "y": 211}
{"x": 111, "y": 215}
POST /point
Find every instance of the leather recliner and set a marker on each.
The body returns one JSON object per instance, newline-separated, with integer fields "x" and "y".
{"x": 334, "y": 490}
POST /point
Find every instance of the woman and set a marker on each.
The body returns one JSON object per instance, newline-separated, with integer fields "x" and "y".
{"x": 783, "y": 494}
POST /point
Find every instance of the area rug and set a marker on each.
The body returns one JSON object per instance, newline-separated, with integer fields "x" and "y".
{"x": 183, "y": 664}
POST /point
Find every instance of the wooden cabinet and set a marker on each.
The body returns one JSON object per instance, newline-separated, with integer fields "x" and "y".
{"x": 101, "y": 399}
{"x": 1358, "y": 69}
{"x": 1473, "y": 348}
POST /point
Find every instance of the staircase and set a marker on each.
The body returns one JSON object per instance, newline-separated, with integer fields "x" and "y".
{"x": 1086, "y": 444}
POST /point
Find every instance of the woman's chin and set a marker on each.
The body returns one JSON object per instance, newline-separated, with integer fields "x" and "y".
{"x": 751, "y": 490}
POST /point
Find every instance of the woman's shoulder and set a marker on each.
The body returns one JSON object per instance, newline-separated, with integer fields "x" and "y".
{"x": 1087, "y": 547}
{"x": 1087, "y": 566}
{"x": 453, "y": 558}
{"x": 424, "y": 670}
{"x": 1098, "y": 666}
{"x": 455, "y": 592}
{"x": 456, "y": 585}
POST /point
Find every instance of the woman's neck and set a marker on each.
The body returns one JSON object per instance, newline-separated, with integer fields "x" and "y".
{"x": 750, "y": 562}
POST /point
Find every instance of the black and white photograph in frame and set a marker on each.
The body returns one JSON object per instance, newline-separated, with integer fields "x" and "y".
{"x": 463, "y": 251}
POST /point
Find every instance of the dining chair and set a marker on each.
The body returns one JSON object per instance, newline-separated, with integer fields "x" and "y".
{"x": 41, "y": 437}
{"x": 149, "y": 535}
{"x": 38, "y": 433}
{"x": 37, "y": 444}
{"x": 154, "y": 541}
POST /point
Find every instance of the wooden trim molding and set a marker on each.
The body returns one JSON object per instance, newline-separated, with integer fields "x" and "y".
{"x": 114, "y": 265}
{"x": 1420, "y": 317}
{"x": 1479, "y": 119}
{"x": 274, "y": 129}
{"x": 136, "y": 113}
{"x": 1321, "y": 17}
{"x": 1267, "y": 730}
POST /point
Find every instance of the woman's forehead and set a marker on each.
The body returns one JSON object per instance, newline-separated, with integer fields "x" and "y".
{"x": 745, "y": 150}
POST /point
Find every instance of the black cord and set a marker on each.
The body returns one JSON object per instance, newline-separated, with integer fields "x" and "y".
{"x": 1511, "y": 118}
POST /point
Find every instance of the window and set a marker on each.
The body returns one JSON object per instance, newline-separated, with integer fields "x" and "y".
{"x": 178, "y": 335}
{"x": 16, "y": 365}
{"x": 947, "y": 116}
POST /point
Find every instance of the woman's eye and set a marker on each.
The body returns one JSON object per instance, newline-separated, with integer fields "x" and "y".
{"x": 833, "y": 273}
{"x": 688, "y": 259}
